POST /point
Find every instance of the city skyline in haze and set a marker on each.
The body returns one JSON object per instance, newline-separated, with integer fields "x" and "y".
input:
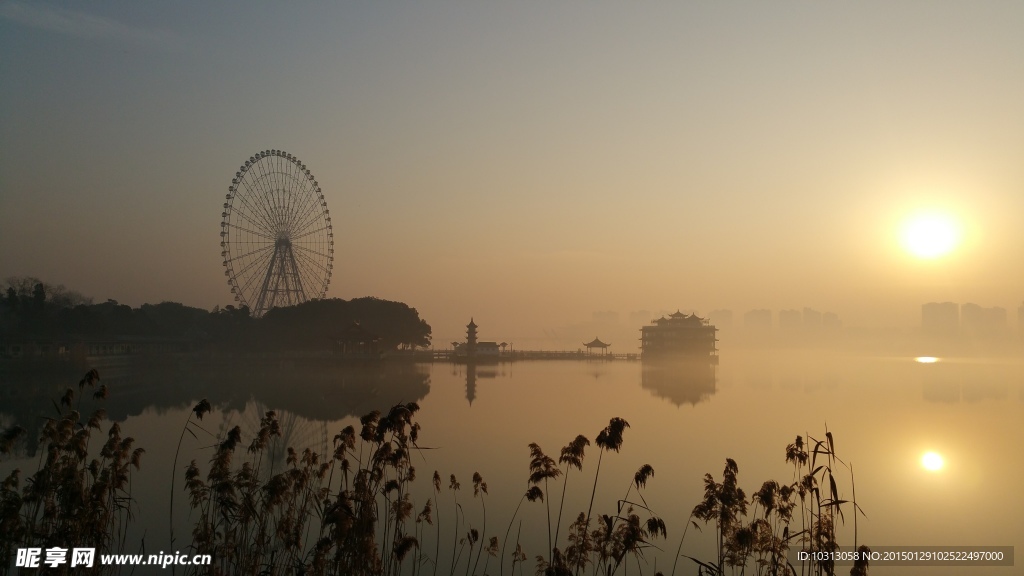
{"x": 528, "y": 164}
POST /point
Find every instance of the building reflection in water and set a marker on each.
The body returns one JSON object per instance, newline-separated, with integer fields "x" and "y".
{"x": 679, "y": 381}
{"x": 473, "y": 371}
{"x": 952, "y": 382}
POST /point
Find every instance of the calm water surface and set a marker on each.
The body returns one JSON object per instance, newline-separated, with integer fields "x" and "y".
{"x": 884, "y": 413}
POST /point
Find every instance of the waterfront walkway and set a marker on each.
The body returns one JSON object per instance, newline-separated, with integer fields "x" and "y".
{"x": 449, "y": 355}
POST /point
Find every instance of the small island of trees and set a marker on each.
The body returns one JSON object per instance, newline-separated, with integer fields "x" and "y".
{"x": 35, "y": 316}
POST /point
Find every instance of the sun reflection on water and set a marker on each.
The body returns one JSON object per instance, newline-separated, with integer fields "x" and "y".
{"x": 926, "y": 359}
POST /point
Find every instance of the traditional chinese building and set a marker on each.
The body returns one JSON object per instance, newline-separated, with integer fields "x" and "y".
{"x": 601, "y": 347}
{"x": 473, "y": 349}
{"x": 680, "y": 336}
{"x": 470, "y": 348}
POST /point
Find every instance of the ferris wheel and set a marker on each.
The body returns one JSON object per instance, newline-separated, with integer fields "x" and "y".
{"x": 276, "y": 236}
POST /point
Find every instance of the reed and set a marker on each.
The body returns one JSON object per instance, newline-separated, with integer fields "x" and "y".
{"x": 480, "y": 489}
{"x": 200, "y": 409}
{"x": 351, "y": 511}
{"x": 759, "y": 544}
{"x": 78, "y": 494}
{"x": 572, "y": 457}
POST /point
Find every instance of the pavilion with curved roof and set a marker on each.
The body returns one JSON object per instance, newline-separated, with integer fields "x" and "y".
{"x": 597, "y": 343}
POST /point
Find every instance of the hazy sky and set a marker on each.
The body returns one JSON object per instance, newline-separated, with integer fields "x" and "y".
{"x": 526, "y": 163}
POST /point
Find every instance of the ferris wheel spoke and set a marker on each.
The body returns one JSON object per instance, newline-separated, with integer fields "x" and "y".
{"x": 251, "y": 273}
{"x": 281, "y": 184}
{"x": 296, "y": 181}
{"x": 288, "y": 215}
{"x": 253, "y": 261}
{"x": 253, "y": 270}
{"x": 272, "y": 202}
{"x": 314, "y": 269}
{"x": 301, "y": 213}
{"x": 250, "y": 212}
{"x": 313, "y": 211}
{"x": 300, "y": 182}
{"x": 309, "y": 262}
{"x": 253, "y": 251}
{"x": 263, "y": 230}
{"x": 256, "y": 277}
{"x": 320, "y": 220}
{"x": 285, "y": 188}
{"x": 303, "y": 182}
{"x": 273, "y": 169}
{"x": 265, "y": 195}
{"x": 311, "y": 253}
{"x": 250, "y": 199}
{"x": 299, "y": 210}
{"x": 312, "y": 281}
{"x": 258, "y": 234}
{"x": 309, "y": 195}
{"x": 268, "y": 197}
{"x": 246, "y": 291}
{"x": 264, "y": 169}
{"x": 309, "y": 233}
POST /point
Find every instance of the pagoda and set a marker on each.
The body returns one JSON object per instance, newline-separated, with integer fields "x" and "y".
{"x": 471, "y": 338}
{"x": 473, "y": 350}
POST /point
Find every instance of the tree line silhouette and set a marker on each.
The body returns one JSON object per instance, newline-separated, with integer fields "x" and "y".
{"x": 32, "y": 309}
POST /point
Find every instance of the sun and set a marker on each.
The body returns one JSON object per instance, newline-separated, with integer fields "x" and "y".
{"x": 931, "y": 235}
{"x": 932, "y": 461}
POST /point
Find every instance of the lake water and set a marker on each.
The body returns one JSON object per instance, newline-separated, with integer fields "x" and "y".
{"x": 884, "y": 414}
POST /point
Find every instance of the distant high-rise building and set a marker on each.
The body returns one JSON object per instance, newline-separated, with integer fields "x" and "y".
{"x": 971, "y": 316}
{"x": 831, "y": 321}
{"x": 790, "y": 320}
{"x": 812, "y": 318}
{"x": 758, "y": 320}
{"x": 640, "y": 317}
{"x": 980, "y": 322}
{"x": 998, "y": 320}
{"x": 720, "y": 318}
{"x": 940, "y": 319}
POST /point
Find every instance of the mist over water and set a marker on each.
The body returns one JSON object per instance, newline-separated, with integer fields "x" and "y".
{"x": 885, "y": 414}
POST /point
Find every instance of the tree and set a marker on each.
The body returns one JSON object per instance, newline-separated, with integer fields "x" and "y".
{"x": 39, "y": 297}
